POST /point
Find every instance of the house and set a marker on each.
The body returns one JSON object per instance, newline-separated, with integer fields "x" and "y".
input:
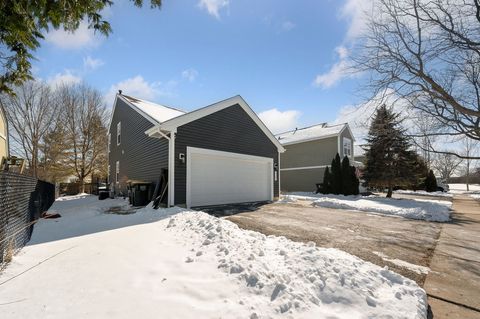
{"x": 218, "y": 154}
{"x": 3, "y": 136}
{"x": 309, "y": 151}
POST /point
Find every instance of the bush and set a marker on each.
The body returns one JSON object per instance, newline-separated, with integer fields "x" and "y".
{"x": 341, "y": 179}
{"x": 431, "y": 182}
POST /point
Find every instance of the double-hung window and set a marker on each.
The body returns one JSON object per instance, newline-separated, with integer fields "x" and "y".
{"x": 347, "y": 147}
{"x": 119, "y": 132}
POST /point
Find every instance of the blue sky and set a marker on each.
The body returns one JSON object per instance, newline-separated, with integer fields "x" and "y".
{"x": 286, "y": 58}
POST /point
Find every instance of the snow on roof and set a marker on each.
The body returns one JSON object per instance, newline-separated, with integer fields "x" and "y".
{"x": 310, "y": 133}
{"x": 157, "y": 112}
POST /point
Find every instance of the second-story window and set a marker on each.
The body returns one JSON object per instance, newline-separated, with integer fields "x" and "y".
{"x": 347, "y": 147}
{"x": 119, "y": 133}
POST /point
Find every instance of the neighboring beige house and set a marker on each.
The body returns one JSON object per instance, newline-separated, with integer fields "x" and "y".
{"x": 3, "y": 136}
{"x": 309, "y": 151}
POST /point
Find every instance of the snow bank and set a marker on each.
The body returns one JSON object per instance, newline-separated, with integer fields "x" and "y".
{"x": 174, "y": 263}
{"x": 424, "y": 193}
{"x": 430, "y": 210}
{"x": 423, "y": 209}
{"x": 462, "y": 188}
{"x": 415, "y": 268}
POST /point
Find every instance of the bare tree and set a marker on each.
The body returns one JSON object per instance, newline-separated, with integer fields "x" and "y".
{"x": 427, "y": 53}
{"x": 470, "y": 149}
{"x": 30, "y": 112}
{"x": 85, "y": 117}
{"x": 446, "y": 165}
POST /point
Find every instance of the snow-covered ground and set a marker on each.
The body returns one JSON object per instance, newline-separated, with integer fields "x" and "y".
{"x": 424, "y": 193}
{"x": 474, "y": 190}
{"x": 415, "y": 268}
{"x": 424, "y": 209}
{"x": 174, "y": 263}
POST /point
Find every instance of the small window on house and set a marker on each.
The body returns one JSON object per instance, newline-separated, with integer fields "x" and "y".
{"x": 117, "y": 172}
{"x": 119, "y": 132}
{"x": 108, "y": 174}
{"x": 109, "y": 141}
{"x": 347, "y": 147}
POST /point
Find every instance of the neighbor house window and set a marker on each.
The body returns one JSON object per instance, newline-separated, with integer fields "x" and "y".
{"x": 347, "y": 147}
{"x": 117, "y": 172}
{"x": 109, "y": 141}
{"x": 108, "y": 174}
{"x": 119, "y": 132}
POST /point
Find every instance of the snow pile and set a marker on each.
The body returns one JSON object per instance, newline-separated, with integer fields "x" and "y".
{"x": 415, "y": 268}
{"x": 430, "y": 210}
{"x": 424, "y": 193}
{"x": 174, "y": 263}
{"x": 283, "y": 276}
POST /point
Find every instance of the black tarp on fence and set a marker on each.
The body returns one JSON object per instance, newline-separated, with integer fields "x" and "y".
{"x": 22, "y": 201}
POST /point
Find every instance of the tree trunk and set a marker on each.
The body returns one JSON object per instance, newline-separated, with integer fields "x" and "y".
{"x": 390, "y": 191}
{"x": 82, "y": 185}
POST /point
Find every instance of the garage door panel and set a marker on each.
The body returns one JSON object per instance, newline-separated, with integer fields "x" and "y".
{"x": 215, "y": 179}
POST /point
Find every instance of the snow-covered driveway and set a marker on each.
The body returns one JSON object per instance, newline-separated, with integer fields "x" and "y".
{"x": 185, "y": 264}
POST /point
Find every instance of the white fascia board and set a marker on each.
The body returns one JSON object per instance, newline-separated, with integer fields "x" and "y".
{"x": 311, "y": 139}
{"x": 349, "y": 130}
{"x": 197, "y": 114}
{"x": 113, "y": 112}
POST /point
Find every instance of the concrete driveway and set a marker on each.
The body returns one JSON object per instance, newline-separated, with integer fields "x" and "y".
{"x": 382, "y": 240}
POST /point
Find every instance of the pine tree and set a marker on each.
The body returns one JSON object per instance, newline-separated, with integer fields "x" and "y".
{"x": 350, "y": 181}
{"x": 389, "y": 162}
{"x": 326, "y": 185}
{"x": 336, "y": 175}
{"x": 431, "y": 182}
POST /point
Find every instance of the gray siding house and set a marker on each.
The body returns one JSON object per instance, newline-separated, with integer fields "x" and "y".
{"x": 218, "y": 154}
{"x": 309, "y": 151}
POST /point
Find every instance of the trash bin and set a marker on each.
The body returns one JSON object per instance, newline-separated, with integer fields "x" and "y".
{"x": 139, "y": 192}
{"x": 103, "y": 194}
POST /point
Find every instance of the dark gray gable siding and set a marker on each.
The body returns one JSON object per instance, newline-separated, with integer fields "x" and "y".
{"x": 228, "y": 130}
{"x": 141, "y": 157}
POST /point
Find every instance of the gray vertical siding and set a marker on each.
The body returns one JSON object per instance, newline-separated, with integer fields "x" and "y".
{"x": 228, "y": 130}
{"x": 141, "y": 157}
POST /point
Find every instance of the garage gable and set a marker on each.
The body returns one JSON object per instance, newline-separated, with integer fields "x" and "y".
{"x": 228, "y": 130}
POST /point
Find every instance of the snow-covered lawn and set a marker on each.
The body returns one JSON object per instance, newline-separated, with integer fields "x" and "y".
{"x": 424, "y": 193}
{"x": 462, "y": 188}
{"x": 424, "y": 209}
{"x": 174, "y": 263}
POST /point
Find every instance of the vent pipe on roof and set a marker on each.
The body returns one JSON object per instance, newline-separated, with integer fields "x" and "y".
{"x": 120, "y": 92}
{"x": 295, "y": 130}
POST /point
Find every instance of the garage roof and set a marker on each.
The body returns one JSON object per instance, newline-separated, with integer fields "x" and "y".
{"x": 311, "y": 133}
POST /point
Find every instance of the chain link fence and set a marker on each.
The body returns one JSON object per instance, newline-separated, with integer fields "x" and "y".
{"x": 22, "y": 201}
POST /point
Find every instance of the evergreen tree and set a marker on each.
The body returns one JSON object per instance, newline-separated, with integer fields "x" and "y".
{"x": 389, "y": 162}
{"x": 336, "y": 175}
{"x": 327, "y": 184}
{"x": 350, "y": 181}
{"x": 431, "y": 182}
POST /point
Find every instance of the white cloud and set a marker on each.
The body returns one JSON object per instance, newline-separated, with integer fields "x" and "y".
{"x": 355, "y": 12}
{"x": 337, "y": 72}
{"x": 288, "y": 25}
{"x": 65, "y": 77}
{"x": 91, "y": 64}
{"x": 213, "y": 7}
{"x": 82, "y": 37}
{"x": 190, "y": 74}
{"x": 137, "y": 86}
{"x": 359, "y": 116}
{"x": 278, "y": 121}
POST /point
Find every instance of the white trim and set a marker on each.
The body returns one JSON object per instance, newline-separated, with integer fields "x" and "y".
{"x": 339, "y": 141}
{"x": 197, "y": 150}
{"x": 3, "y": 136}
{"x": 197, "y": 114}
{"x": 171, "y": 169}
{"x": 300, "y": 168}
{"x": 117, "y": 172}
{"x": 145, "y": 115}
{"x": 279, "y": 175}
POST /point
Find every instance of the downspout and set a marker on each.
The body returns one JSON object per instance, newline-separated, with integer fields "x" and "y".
{"x": 171, "y": 166}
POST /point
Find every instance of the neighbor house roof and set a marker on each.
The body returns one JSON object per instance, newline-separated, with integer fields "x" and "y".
{"x": 312, "y": 133}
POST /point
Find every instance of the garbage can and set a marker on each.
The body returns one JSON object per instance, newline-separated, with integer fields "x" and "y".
{"x": 139, "y": 192}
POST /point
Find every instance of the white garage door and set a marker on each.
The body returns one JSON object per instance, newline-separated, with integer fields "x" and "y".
{"x": 215, "y": 178}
